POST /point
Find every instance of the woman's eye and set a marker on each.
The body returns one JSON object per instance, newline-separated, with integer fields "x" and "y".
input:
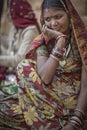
{"x": 58, "y": 16}
{"x": 47, "y": 19}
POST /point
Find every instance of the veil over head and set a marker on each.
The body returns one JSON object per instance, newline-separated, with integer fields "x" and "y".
{"x": 22, "y": 13}
{"x": 78, "y": 27}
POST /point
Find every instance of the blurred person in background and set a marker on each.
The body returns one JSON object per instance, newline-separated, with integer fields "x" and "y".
{"x": 23, "y": 31}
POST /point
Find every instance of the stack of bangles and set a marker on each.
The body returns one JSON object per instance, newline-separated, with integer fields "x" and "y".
{"x": 77, "y": 119}
{"x": 57, "y": 53}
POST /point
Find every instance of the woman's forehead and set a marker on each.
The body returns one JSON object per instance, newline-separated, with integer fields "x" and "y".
{"x": 53, "y": 11}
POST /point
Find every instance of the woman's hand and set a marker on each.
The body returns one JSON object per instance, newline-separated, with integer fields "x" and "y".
{"x": 50, "y": 32}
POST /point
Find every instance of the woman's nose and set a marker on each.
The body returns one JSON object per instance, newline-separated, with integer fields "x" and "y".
{"x": 54, "y": 23}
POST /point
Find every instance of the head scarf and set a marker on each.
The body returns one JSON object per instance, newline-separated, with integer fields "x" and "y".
{"x": 22, "y": 14}
{"x": 79, "y": 30}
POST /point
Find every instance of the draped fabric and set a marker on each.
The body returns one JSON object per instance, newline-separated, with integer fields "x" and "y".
{"x": 79, "y": 30}
{"x": 47, "y": 107}
{"x": 22, "y": 13}
{"x": 52, "y": 105}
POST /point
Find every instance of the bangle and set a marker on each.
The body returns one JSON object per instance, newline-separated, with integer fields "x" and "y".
{"x": 77, "y": 119}
{"x": 81, "y": 112}
{"x": 76, "y": 127}
{"x": 58, "y": 55}
{"x": 76, "y": 122}
{"x": 62, "y": 35}
{"x": 54, "y": 57}
{"x": 59, "y": 51}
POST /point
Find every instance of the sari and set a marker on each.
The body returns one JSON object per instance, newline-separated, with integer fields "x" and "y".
{"x": 49, "y": 107}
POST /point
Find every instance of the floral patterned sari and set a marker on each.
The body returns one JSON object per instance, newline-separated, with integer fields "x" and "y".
{"x": 49, "y": 107}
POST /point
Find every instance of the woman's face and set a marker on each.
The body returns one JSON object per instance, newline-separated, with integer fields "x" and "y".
{"x": 56, "y": 19}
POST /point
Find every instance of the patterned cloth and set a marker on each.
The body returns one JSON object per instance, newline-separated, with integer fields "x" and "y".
{"x": 49, "y": 106}
{"x": 40, "y": 106}
{"x": 25, "y": 29}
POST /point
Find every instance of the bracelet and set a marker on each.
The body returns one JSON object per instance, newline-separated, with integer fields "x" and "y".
{"x": 62, "y": 35}
{"x": 75, "y": 122}
{"x": 77, "y": 119}
{"x": 59, "y": 51}
{"x": 54, "y": 57}
{"x": 81, "y": 112}
{"x": 58, "y": 55}
{"x": 74, "y": 125}
{"x": 79, "y": 116}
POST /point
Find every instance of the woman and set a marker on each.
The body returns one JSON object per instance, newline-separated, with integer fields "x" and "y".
{"x": 24, "y": 29}
{"x": 53, "y": 77}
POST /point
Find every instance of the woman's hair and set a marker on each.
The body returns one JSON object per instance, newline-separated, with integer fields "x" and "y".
{"x": 47, "y": 4}
{"x": 60, "y": 4}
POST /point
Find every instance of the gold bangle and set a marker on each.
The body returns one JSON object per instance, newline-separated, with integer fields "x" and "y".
{"x": 55, "y": 58}
{"x": 62, "y": 35}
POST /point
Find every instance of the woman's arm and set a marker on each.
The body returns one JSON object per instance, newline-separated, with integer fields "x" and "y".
{"x": 46, "y": 66}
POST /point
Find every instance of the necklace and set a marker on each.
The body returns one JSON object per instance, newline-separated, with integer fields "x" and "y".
{"x": 63, "y": 62}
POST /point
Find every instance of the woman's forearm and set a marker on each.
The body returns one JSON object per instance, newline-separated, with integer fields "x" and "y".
{"x": 47, "y": 69}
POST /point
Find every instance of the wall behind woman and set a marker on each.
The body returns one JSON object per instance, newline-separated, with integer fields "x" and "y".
{"x": 5, "y": 21}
